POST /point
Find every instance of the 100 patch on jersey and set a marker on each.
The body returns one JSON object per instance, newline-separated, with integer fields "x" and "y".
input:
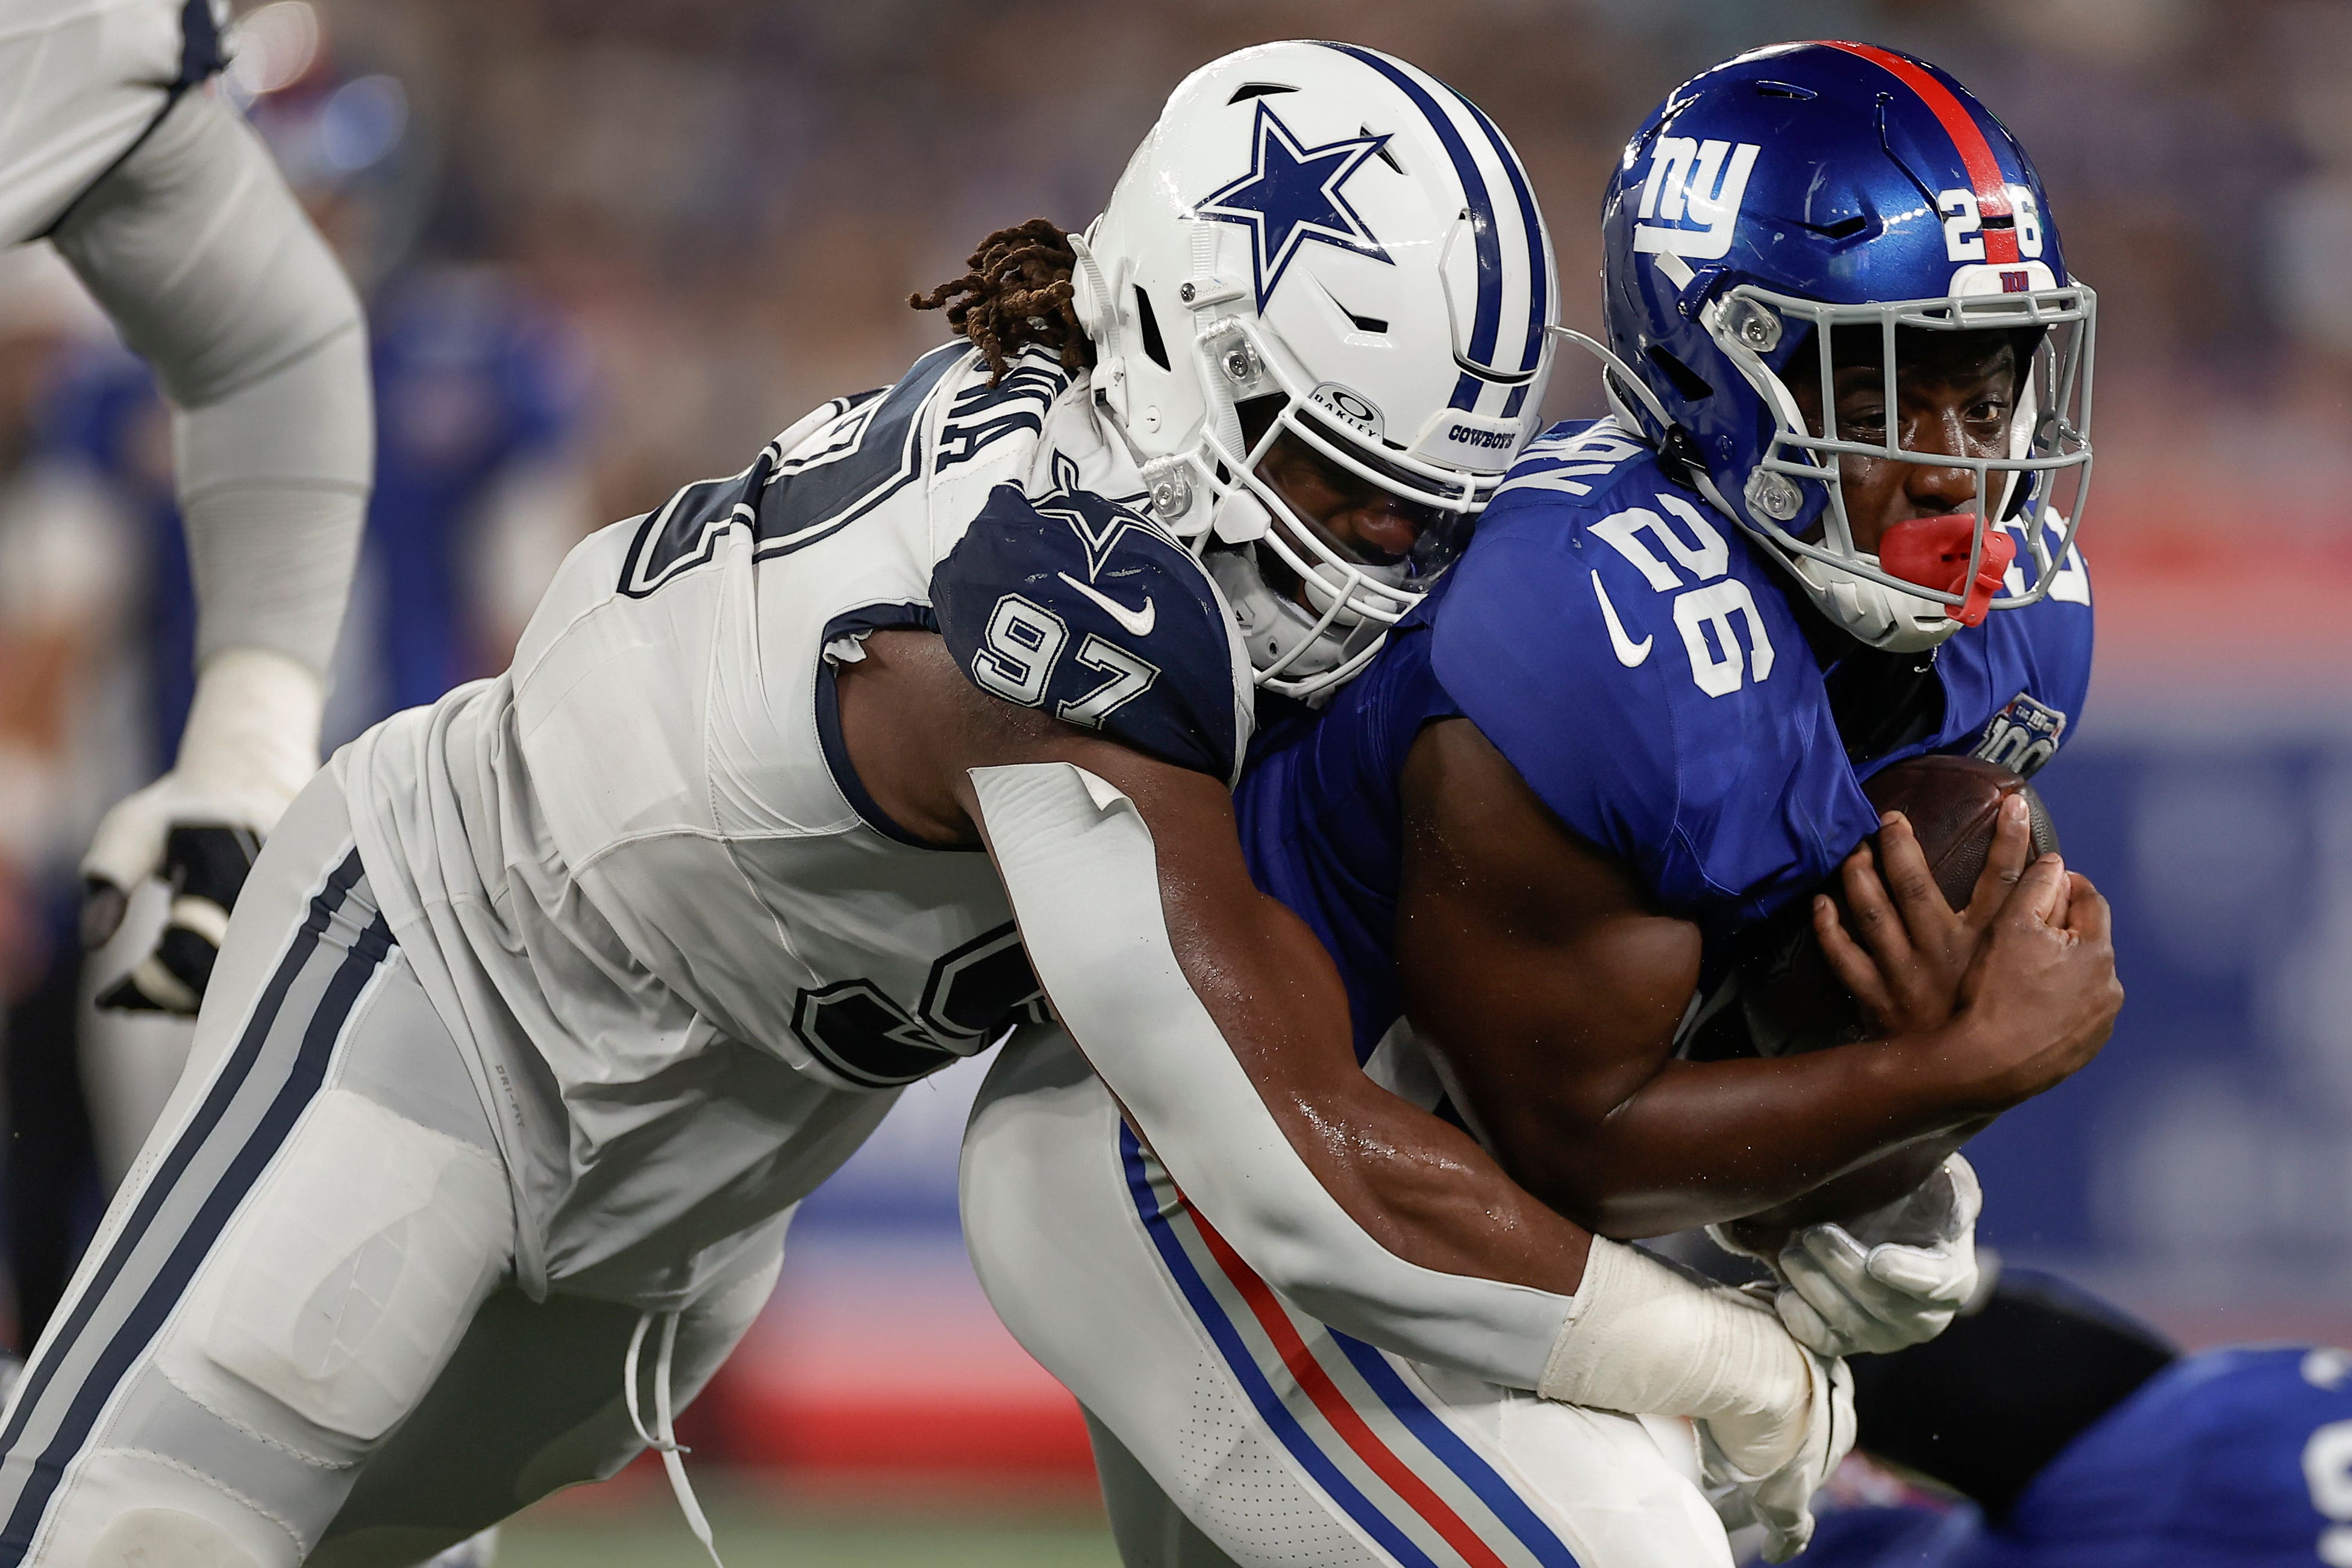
{"x": 2023, "y": 735}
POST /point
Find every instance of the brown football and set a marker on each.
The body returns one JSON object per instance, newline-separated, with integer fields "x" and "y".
{"x": 1792, "y": 1001}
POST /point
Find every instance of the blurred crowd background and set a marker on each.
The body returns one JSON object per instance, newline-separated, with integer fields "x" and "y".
{"x": 610, "y": 245}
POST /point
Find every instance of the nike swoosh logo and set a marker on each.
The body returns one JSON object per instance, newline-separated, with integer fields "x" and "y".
{"x": 1138, "y": 623}
{"x": 1628, "y": 653}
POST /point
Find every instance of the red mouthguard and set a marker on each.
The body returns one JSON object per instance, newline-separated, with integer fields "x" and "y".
{"x": 1934, "y": 553}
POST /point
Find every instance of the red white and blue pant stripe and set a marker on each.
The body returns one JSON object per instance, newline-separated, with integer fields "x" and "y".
{"x": 1354, "y": 1420}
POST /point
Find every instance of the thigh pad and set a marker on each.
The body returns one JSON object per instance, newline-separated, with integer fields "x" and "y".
{"x": 344, "y": 1286}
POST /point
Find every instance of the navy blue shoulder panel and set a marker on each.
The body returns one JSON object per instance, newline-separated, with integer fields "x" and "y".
{"x": 203, "y": 52}
{"x": 869, "y": 448}
{"x": 1081, "y": 607}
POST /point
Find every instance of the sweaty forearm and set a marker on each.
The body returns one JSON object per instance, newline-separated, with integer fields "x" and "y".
{"x": 1705, "y": 1143}
{"x": 1080, "y": 866}
{"x": 1860, "y": 1191}
{"x": 1421, "y": 1188}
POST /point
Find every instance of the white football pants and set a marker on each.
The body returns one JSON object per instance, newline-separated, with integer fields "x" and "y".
{"x": 78, "y": 85}
{"x": 294, "y": 1338}
{"x": 1231, "y": 1429}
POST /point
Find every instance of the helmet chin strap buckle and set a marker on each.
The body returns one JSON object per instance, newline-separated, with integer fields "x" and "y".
{"x": 1775, "y": 496}
{"x": 1934, "y": 553}
{"x": 1170, "y": 487}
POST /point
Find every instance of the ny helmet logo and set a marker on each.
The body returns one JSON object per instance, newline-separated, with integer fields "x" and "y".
{"x": 1692, "y": 193}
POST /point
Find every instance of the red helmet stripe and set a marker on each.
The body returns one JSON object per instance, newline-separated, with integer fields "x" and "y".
{"x": 1968, "y": 137}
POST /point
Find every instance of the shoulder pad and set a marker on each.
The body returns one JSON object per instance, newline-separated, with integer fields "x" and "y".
{"x": 978, "y": 415}
{"x": 1641, "y": 667}
{"x": 1082, "y": 607}
{"x": 823, "y": 473}
{"x": 1576, "y": 459}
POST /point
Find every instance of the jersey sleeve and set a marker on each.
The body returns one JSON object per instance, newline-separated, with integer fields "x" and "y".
{"x": 1084, "y": 610}
{"x": 1638, "y": 667}
{"x": 1534, "y": 670}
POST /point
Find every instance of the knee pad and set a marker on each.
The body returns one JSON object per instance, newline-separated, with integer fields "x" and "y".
{"x": 166, "y": 1538}
{"x": 341, "y": 1289}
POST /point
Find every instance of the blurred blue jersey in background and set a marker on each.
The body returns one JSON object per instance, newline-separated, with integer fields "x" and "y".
{"x": 480, "y": 396}
{"x": 2231, "y": 1458}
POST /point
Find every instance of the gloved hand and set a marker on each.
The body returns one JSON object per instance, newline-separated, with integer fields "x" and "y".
{"x": 1764, "y": 1469}
{"x": 251, "y": 744}
{"x": 1893, "y": 1278}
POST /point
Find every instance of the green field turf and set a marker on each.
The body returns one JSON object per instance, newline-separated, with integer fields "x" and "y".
{"x": 757, "y": 1532}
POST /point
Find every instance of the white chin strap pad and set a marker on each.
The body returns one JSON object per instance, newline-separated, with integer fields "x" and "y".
{"x": 206, "y": 261}
{"x": 1079, "y": 863}
{"x": 1872, "y": 612}
{"x": 1271, "y": 627}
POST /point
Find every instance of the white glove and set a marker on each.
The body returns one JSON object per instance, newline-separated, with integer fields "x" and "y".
{"x": 1893, "y": 1278}
{"x": 1764, "y": 1470}
{"x": 251, "y": 744}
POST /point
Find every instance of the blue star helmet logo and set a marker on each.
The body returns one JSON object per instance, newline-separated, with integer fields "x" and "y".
{"x": 1292, "y": 194}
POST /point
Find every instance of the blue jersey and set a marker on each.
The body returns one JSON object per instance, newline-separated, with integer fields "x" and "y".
{"x": 471, "y": 380}
{"x": 2233, "y": 1458}
{"x": 1645, "y": 670}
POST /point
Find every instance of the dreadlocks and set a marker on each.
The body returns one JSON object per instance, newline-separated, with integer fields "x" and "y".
{"x": 1016, "y": 293}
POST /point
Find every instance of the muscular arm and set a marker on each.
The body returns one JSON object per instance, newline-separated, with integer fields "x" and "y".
{"x": 1424, "y": 1208}
{"x": 1549, "y": 991}
{"x": 203, "y": 257}
{"x": 200, "y": 255}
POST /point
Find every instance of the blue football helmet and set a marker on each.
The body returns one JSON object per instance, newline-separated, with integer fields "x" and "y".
{"x": 1808, "y": 187}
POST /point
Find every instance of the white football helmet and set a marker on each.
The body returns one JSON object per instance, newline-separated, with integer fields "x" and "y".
{"x": 1334, "y": 231}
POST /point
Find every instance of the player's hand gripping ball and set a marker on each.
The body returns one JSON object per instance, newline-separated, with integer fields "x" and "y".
{"x": 1897, "y": 1275}
{"x": 1793, "y": 1000}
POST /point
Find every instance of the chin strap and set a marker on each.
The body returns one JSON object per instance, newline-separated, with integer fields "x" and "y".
{"x": 663, "y": 1438}
{"x": 1621, "y": 373}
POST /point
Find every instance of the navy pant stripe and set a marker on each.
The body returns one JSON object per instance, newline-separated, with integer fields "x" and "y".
{"x": 307, "y": 1074}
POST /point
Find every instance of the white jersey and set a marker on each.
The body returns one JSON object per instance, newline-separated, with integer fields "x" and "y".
{"x": 81, "y": 82}
{"x": 692, "y": 960}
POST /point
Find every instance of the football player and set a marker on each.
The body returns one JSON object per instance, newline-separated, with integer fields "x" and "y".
{"x": 2077, "y": 1436}
{"x": 118, "y": 148}
{"x": 1635, "y": 721}
{"x": 546, "y": 1003}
